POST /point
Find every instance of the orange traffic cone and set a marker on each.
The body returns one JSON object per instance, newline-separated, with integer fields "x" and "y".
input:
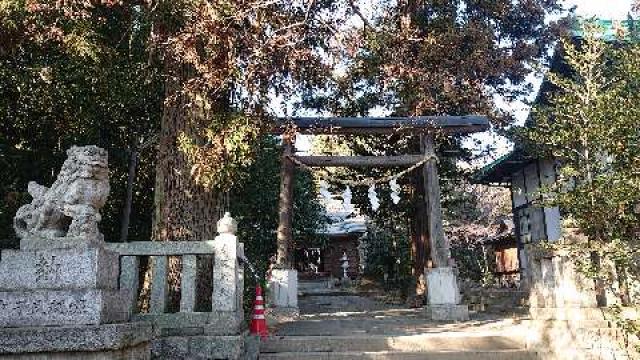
{"x": 258, "y": 322}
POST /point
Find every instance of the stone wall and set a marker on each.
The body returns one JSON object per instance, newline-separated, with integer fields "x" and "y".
{"x": 566, "y": 321}
{"x": 555, "y": 283}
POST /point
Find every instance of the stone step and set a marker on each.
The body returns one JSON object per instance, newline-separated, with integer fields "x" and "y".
{"x": 325, "y": 292}
{"x": 316, "y": 283}
{"x": 407, "y": 343}
{"x": 566, "y": 314}
{"x": 398, "y": 355}
{"x": 56, "y": 340}
{"x": 569, "y": 324}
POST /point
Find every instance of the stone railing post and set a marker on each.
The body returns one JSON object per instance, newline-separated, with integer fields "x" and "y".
{"x": 226, "y": 268}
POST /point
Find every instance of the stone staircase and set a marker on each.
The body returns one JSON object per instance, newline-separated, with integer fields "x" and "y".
{"x": 434, "y": 346}
{"x": 339, "y": 323}
{"x": 578, "y": 334}
{"x": 318, "y": 287}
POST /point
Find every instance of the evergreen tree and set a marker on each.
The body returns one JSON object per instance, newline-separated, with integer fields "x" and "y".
{"x": 73, "y": 73}
{"x": 415, "y": 58}
{"x": 221, "y": 59}
{"x": 589, "y": 124}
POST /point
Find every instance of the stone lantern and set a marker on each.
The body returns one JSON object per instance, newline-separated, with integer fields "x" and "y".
{"x": 345, "y": 265}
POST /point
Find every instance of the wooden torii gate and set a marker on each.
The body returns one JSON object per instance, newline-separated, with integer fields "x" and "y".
{"x": 425, "y": 126}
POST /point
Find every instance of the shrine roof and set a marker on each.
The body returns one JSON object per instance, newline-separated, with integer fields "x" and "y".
{"x": 609, "y": 30}
{"x": 499, "y": 171}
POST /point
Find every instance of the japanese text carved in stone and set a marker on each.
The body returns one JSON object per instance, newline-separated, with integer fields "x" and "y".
{"x": 47, "y": 268}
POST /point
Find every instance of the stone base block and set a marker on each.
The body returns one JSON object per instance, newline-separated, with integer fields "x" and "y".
{"x": 34, "y": 243}
{"x": 280, "y": 315}
{"x": 442, "y": 286}
{"x": 195, "y": 324}
{"x": 55, "y": 307}
{"x": 251, "y": 347}
{"x": 199, "y": 347}
{"x": 540, "y": 313}
{"x": 283, "y": 288}
{"x": 60, "y": 269}
{"x": 449, "y": 312}
{"x": 139, "y": 352}
{"x": 111, "y": 341}
{"x": 577, "y": 339}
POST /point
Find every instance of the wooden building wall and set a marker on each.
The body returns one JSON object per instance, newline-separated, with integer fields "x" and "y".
{"x": 532, "y": 223}
{"x": 331, "y": 256}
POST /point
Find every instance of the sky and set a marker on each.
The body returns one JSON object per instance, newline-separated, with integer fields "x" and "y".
{"x": 609, "y": 9}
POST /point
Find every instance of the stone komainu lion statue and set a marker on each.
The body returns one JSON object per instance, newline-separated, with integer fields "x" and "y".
{"x": 71, "y": 207}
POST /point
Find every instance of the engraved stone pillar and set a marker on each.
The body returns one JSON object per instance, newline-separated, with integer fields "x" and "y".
{"x": 227, "y": 274}
{"x": 556, "y": 285}
{"x": 60, "y": 287}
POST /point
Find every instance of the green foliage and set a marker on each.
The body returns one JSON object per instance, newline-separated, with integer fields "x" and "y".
{"x": 471, "y": 261}
{"x": 389, "y": 252}
{"x": 230, "y": 143}
{"x": 59, "y": 93}
{"x": 253, "y": 202}
{"x": 590, "y": 125}
{"x": 615, "y": 314}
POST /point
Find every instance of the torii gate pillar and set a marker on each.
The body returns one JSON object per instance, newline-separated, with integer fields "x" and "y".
{"x": 443, "y": 294}
{"x": 283, "y": 284}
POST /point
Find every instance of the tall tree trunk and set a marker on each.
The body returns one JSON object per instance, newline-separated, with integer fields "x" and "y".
{"x": 285, "y": 245}
{"x": 184, "y": 209}
{"x": 126, "y": 213}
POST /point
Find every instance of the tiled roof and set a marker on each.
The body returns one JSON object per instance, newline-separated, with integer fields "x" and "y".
{"x": 611, "y": 30}
{"x": 341, "y": 222}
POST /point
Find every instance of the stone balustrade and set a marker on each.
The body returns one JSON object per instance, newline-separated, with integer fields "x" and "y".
{"x": 225, "y": 315}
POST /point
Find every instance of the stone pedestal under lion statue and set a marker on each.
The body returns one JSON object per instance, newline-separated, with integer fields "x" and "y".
{"x": 59, "y": 294}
